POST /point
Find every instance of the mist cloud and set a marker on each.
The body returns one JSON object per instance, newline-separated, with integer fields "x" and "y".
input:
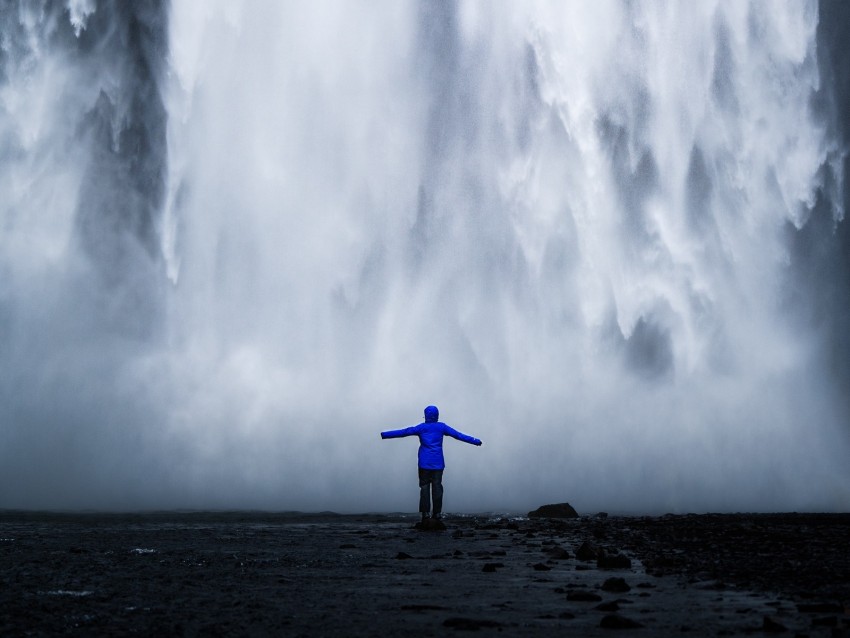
{"x": 240, "y": 240}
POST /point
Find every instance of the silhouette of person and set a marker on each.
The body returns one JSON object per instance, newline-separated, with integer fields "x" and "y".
{"x": 431, "y": 461}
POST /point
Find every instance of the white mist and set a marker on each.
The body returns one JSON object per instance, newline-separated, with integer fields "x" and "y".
{"x": 564, "y": 225}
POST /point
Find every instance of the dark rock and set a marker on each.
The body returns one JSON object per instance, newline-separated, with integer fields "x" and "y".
{"x": 403, "y": 556}
{"x": 565, "y": 615}
{"x": 819, "y": 608}
{"x": 586, "y": 552}
{"x": 772, "y": 626}
{"x": 347, "y": 546}
{"x": 430, "y": 525}
{"x": 825, "y": 621}
{"x": 540, "y": 567}
{"x": 556, "y": 510}
{"x": 491, "y": 567}
{"x": 602, "y": 515}
{"x": 609, "y": 606}
{"x": 616, "y": 621}
{"x": 417, "y": 607}
{"x": 582, "y": 596}
{"x": 558, "y": 553}
{"x": 616, "y": 585}
{"x": 617, "y": 561}
{"x": 471, "y": 624}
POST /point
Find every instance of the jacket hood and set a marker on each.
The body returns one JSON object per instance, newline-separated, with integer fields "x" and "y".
{"x": 431, "y": 414}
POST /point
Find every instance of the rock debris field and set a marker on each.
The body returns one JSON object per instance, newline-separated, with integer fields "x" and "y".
{"x": 225, "y": 573}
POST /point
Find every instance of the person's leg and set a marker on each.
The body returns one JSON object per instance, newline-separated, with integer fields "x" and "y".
{"x": 437, "y": 489}
{"x": 424, "y": 492}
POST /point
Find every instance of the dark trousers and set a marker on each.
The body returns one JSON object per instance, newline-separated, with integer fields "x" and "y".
{"x": 430, "y": 482}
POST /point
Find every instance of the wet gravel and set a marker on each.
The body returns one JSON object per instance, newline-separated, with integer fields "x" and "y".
{"x": 329, "y": 575}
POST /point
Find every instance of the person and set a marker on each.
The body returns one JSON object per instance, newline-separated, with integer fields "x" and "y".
{"x": 431, "y": 460}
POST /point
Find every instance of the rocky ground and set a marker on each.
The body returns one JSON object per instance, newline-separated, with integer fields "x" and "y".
{"x": 329, "y": 575}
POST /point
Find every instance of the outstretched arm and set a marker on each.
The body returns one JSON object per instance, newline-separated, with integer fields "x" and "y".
{"x": 460, "y": 436}
{"x": 396, "y": 434}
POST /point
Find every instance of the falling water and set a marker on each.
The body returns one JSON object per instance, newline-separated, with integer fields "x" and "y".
{"x": 241, "y": 238}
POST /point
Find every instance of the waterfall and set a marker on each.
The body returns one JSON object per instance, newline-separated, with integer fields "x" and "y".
{"x": 241, "y": 238}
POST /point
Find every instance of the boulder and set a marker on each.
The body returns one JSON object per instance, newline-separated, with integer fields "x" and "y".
{"x": 611, "y": 605}
{"x": 558, "y": 553}
{"x": 819, "y": 608}
{"x": 771, "y": 625}
{"x": 613, "y": 561}
{"x": 583, "y": 596}
{"x": 472, "y": 624}
{"x": 430, "y": 525}
{"x": 557, "y": 510}
{"x": 587, "y": 552}
{"x": 618, "y": 585}
{"x": 615, "y": 621}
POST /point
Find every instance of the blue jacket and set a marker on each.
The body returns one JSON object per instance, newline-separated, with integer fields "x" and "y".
{"x": 430, "y": 435}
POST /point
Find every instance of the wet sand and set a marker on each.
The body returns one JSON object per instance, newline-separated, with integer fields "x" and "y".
{"x": 330, "y": 575}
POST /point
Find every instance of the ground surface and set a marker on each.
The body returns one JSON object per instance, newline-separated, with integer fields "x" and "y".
{"x": 315, "y": 575}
